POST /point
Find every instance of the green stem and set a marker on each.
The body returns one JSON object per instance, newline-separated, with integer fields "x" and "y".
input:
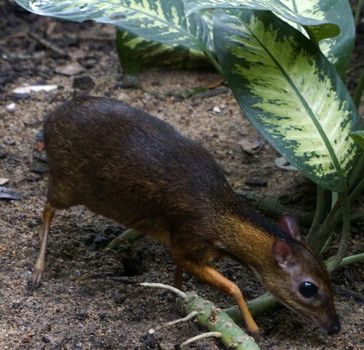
{"x": 214, "y": 62}
{"x": 357, "y": 171}
{"x": 353, "y": 259}
{"x": 258, "y": 306}
{"x": 320, "y": 206}
{"x": 345, "y": 235}
{"x": 357, "y": 12}
{"x": 326, "y": 230}
{"x": 214, "y": 319}
{"x": 359, "y": 89}
{"x": 128, "y": 236}
{"x": 274, "y": 209}
{"x": 333, "y": 218}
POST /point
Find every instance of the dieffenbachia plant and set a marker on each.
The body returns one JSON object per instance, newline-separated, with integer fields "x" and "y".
{"x": 283, "y": 61}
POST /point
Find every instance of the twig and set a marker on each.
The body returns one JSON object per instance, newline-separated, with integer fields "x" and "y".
{"x": 190, "y": 316}
{"x": 128, "y": 236}
{"x": 48, "y": 45}
{"x": 214, "y": 319}
{"x": 212, "y": 92}
{"x": 201, "y": 336}
{"x": 165, "y": 286}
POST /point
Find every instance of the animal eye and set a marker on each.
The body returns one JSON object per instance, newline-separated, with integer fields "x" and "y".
{"x": 308, "y": 289}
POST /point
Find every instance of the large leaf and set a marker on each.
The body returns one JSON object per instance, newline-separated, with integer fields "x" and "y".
{"x": 290, "y": 92}
{"x": 284, "y": 9}
{"x": 136, "y": 53}
{"x": 358, "y": 137}
{"x": 329, "y": 20}
{"x": 163, "y": 21}
{"x": 337, "y": 49}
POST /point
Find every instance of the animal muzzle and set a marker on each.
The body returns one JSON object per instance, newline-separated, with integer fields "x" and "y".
{"x": 333, "y": 327}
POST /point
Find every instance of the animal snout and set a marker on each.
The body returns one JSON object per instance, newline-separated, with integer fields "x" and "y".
{"x": 334, "y": 326}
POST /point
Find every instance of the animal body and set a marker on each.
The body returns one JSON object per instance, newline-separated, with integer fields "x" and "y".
{"x": 131, "y": 167}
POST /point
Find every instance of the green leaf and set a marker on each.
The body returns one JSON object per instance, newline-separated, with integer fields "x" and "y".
{"x": 330, "y": 23}
{"x": 163, "y": 21}
{"x": 136, "y": 53}
{"x": 358, "y": 137}
{"x": 284, "y": 9}
{"x": 338, "y": 49}
{"x": 290, "y": 92}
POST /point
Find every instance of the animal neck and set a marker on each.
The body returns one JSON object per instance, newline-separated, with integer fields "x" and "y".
{"x": 248, "y": 243}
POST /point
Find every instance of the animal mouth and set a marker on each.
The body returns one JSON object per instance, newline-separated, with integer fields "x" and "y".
{"x": 333, "y": 327}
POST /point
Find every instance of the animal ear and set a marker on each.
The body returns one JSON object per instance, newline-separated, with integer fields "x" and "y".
{"x": 283, "y": 254}
{"x": 289, "y": 225}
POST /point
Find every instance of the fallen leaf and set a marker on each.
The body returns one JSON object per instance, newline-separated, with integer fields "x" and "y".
{"x": 70, "y": 69}
{"x": 8, "y": 194}
{"x": 27, "y": 89}
{"x": 283, "y": 163}
{"x": 3, "y": 181}
{"x": 251, "y": 146}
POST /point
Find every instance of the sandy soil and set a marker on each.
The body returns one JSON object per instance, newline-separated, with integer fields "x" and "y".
{"x": 90, "y": 299}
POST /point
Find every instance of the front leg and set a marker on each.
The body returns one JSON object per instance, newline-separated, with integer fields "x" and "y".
{"x": 214, "y": 278}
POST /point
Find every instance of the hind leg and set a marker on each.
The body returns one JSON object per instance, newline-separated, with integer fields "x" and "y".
{"x": 38, "y": 270}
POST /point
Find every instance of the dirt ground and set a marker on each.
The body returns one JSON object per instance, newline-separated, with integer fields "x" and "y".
{"x": 89, "y": 298}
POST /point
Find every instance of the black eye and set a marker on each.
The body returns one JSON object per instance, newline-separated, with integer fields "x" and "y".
{"x": 308, "y": 289}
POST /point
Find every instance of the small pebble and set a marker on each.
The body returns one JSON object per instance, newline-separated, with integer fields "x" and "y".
{"x": 216, "y": 109}
{"x": 83, "y": 82}
{"x": 11, "y": 107}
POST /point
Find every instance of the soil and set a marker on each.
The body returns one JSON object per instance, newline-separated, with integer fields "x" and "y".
{"x": 90, "y": 298}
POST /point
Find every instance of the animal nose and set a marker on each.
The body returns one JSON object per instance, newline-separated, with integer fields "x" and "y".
{"x": 334, "y": 326}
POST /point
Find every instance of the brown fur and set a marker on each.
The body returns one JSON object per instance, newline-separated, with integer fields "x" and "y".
{"x": 139, "y": 171}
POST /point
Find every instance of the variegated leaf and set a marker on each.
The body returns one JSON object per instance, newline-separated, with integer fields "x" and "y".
{"x": 290, "y": 92}
{"x": 163, "y": 21}
{"x": 337, "y": 49}
{"x": 136, "y": 53}
{"x": 283, "y": 9}
{"x": 329, "y": 20}
{"x": 358, "y": 137}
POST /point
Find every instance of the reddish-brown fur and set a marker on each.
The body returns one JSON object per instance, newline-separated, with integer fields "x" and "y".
{"x": 139, "y": 171}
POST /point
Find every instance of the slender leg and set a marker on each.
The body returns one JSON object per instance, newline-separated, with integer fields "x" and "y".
{"x": 178, "y": 277}
{"x": 209, "y": 275}
{"x": 38, "y": 269}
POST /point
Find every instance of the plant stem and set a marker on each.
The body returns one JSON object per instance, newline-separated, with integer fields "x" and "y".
{"x": 258, "y": 306}
{"x": 320, "y": 206}
{"x": 359, "y": 89}
{"x": 274, "y": 209}
{"x": 345, "y": 235}
{"x": 213, "y": 61}
{"x": 214, "y": 319}
{"x": 357, "y": 258}
{"x": 358, "y": 6}
{"x": 334, "y": 217}
{"x": 128, "y": 236}
{"x": 357, "y": 171}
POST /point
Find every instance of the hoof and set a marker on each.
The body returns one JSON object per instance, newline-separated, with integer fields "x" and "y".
{"x": 255, "y": 333}
{"x": 36, "y": 279}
